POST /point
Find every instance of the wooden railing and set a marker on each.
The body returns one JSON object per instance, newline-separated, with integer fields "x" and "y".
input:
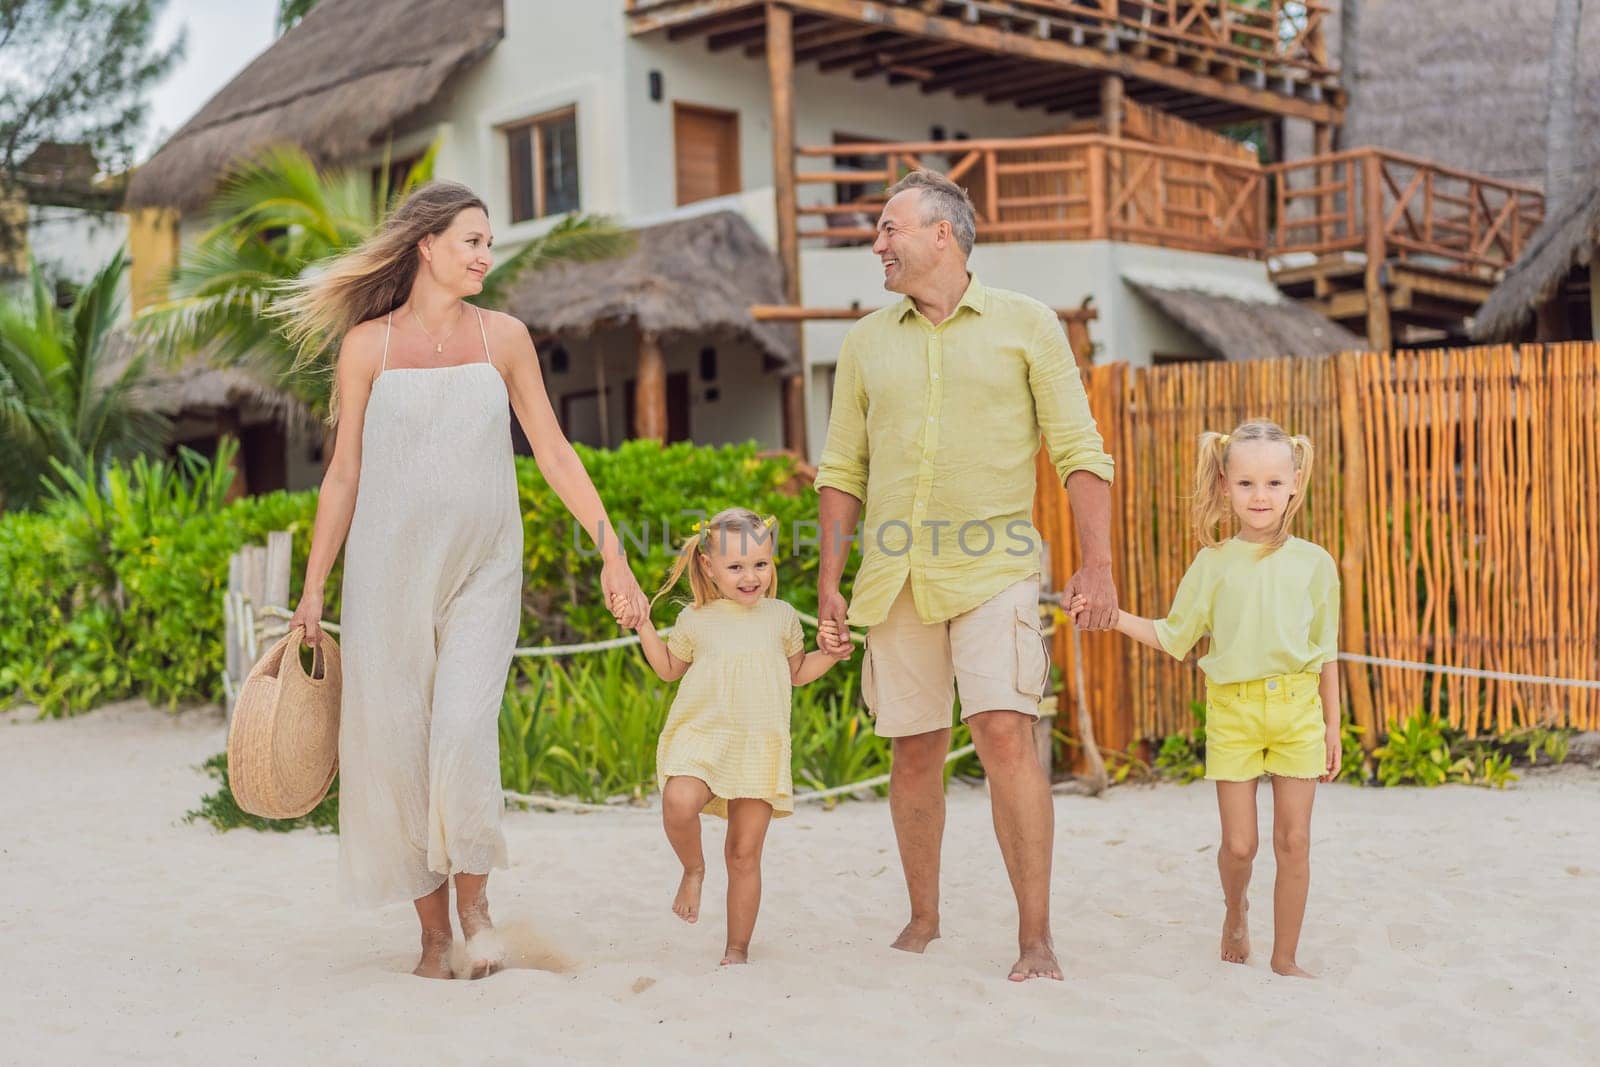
{"x": 1416, "y": 210}
{"x": 1089, "y": 187}
{"x": 1081, "y": 187}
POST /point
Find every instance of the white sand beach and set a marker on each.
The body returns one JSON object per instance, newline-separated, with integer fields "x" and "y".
{"x": 1450, "y": 926}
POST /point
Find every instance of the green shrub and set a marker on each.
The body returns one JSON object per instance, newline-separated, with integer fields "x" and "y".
{"x": 223, "y": 812}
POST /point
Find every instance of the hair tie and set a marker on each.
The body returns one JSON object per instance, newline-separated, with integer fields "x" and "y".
{"x": 770, "y": 521}
{"x": 1224, "y": 439}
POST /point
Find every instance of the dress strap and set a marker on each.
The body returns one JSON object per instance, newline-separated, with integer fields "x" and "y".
{"x": 388, "y": 325}
{"x": 483, "y": 334}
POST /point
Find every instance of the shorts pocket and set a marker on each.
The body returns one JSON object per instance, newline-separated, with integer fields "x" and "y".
{"x": 869, "y": 689}
{"x": 1032, "y": 653}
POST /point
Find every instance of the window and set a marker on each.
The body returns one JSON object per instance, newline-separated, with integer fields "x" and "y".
{"x": 399, "y": 171}
{"x": 544, "y": 165}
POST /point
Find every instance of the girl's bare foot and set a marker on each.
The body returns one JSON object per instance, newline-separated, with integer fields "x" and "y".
{"x": 1290, "y": 969}
{"x": 732, "y": 956}
{"x": 917, "y": 936}
{"x": 1036, "y": 961}
{"x": 1236, "y": 935}
{"x": 686, "y": 905}
{"x": 435, "y": 961}
{"x": 486, "y": 954}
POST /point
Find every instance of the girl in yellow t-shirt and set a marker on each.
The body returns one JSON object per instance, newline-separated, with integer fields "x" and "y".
{"x": 1270, "y": 604}
{"x": 725, "y": 747}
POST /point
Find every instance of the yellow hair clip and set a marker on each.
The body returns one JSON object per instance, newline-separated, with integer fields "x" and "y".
{"x": 770, "y": 521}
{"x": 1224, "y": 439}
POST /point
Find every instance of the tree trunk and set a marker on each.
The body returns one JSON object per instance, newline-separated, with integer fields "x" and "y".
{"x": 1561, "y": 121}
{"x": 650, "y": 395}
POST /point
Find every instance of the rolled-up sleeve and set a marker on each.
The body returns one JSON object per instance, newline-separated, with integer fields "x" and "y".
{"x": 1325, "y": 613}
{"x": 844, "y": 454}
{"x": 1062, "y": 406}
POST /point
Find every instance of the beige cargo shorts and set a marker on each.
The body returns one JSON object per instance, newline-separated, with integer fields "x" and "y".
{"x": 996, "y": 656}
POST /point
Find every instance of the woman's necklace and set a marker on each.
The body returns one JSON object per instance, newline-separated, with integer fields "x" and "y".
{"x": 438, "y": 345}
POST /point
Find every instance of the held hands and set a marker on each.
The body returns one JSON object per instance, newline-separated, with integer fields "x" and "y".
{"x": 1093, "y": 585}
{"x": 831, "y": 642}
{"x": 623, "y": 596}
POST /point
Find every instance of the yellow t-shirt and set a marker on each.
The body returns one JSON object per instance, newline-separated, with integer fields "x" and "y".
{"x": 729, "y": 724}
{"x": 1277, "y": 615}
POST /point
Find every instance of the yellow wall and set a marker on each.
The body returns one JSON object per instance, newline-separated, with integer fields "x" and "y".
{"x": 153, "y": 248}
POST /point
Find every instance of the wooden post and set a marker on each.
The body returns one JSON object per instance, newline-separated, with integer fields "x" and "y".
{"x": 1097, "y": 191}
{"x": 1353, "y": 556}
{"x": 1079, "y": 341}
{"x": 1111, "y": 96}
{"x": 1379, "y": 338}
{"x": 602, "y": 392}
{"x": 275, "y": 588}
{"x": 650, "y": 390}
{"x": 780, "y": 83}
{"x": 1322, "y": 145}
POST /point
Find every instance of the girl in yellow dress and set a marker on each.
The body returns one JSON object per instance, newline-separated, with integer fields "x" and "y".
{"x": 1270, "y": 604}
{"x": 725, "y": 747}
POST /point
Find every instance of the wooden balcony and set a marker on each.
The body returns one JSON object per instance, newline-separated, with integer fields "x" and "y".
{"x": 1369, "y": 236}
{"x": 1068, "y": 188}
{"x": 1211, "y": 61}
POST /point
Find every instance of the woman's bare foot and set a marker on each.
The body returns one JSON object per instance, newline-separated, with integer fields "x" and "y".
{"x": 686, "y": 905}
{"x": 1290, "y": 969}
{"x": 1236, "y": 935}
{"x": 486, "y": 953}
{"x": 732, "y": 956}
{"x": 1036, "y": 961}
{"x": 917, "y": 935}
{"x": 435, "y": 961}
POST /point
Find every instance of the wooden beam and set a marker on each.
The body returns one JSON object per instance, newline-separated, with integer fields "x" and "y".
{"x": 1379, "y": 336}
{"x": 1021, "y": 46}
{"x": 680, "y": 15}
{"x": 1111, "y": 91}
{"x": 650, "y": 391}
{"x": 780, "y": 82}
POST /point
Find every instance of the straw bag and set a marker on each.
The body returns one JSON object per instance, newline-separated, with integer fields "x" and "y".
{"x": 283, "y": 745}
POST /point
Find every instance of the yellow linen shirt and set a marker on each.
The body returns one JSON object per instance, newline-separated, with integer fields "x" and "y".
{"x": 1277, "y": 615}
{"x": 935, "y": 430}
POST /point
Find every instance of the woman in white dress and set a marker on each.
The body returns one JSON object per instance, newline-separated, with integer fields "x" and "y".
{"x": 422, "y": 492}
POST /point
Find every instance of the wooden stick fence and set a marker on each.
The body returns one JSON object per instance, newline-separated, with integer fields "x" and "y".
{"x": 1455, "y": 487}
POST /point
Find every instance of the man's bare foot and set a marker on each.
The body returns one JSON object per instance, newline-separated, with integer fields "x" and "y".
{"x": 917, "y": 935}
{"x": 486, "y": 954}
{"x": 1290, "y": 969}
{"x": 435, "y": 962}
{"x": 1037, "y": 961}
{"x": 686, "y": 905}
{"x": 732, "y": 956}
{"x": 1236, "y": 935}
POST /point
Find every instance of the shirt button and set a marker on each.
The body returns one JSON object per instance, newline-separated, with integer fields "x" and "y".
{"x": 1272, "y": 685}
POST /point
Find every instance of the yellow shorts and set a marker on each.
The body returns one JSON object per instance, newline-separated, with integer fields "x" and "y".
{"x": 1269, "y": 726}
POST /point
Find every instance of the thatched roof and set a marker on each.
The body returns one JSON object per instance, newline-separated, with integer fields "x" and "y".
{"x": 1465, "y": 82}
{"x": 1566, "y": 240}
{"x": 1241, "y": 321}
{"x": 695, "y": 276}
{"x": 336, "y": 85}
{"x": 197, "y": 387}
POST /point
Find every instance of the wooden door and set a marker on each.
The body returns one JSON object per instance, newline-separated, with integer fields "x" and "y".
{"x": 707, "y": 152}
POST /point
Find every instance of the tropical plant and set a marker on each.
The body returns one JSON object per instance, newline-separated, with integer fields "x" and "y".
{"x": 276, "y": 216}
{"x": 64, "y": 397}
{"x": 1418, "y": 752}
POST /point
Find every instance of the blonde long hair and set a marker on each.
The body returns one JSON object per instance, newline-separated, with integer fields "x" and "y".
{"x": 713, "y": 536}
{"x": 370, "y": 280}
{"x": 1210, "y": 507}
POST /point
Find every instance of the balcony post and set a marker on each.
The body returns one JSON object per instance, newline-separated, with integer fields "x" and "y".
{"x": 780, "y": 81}
{"x": 1378, "y": 325}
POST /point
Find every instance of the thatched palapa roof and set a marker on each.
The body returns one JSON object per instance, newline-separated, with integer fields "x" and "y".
{"x": 1566, "y": 240}
{"x": 1241, "y": 321}
{"x": 197, "y": 386}
{"x": 1466, "y": 82}
{"x": 336, "y": 85}
{"x": 696, "y": 276}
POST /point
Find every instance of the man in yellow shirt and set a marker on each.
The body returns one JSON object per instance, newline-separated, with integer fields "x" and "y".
{"x": 939, "y": 403}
